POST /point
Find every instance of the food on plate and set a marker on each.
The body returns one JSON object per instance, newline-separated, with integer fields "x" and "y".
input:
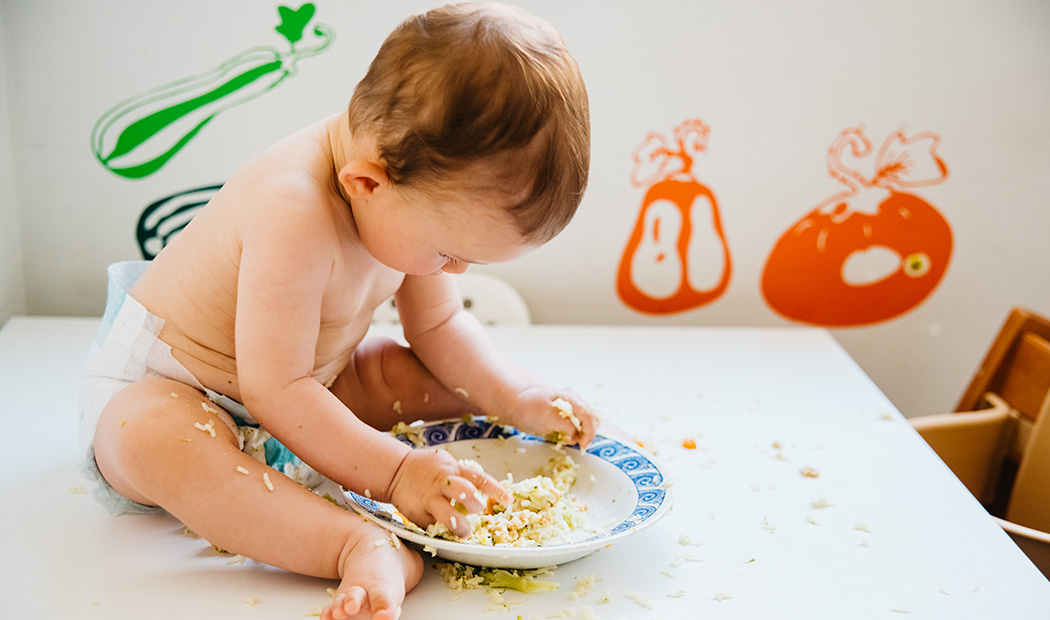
{"x": 570, "y": 503}
{"x": 543, "y": 510}
{"x": 413, "y": 432}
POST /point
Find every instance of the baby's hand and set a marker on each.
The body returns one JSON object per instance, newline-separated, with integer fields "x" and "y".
{"x": 429, "y": 481}
{"x": 545, "y": 412}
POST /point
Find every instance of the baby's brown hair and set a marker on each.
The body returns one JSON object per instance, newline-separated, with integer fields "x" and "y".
{"x": 484, "y": 83}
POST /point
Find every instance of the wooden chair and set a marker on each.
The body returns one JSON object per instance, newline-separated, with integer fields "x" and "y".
{"x": 998, "y": 441}
{"x": 489, "y": 298}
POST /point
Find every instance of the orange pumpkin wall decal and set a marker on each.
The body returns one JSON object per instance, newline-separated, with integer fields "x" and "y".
{"x": 871, "y": 252}
{"x": 677, "y": 257}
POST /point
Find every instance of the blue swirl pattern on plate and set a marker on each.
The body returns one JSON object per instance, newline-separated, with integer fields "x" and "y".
{"x": 643, "y": 473}
{"x": 647, "y": 479}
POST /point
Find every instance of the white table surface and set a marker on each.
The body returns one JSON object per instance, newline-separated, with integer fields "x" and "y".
{"x": 901, "y": 537}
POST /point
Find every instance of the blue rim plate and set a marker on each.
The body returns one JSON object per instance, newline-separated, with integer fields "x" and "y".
{"x": 623, "y": 486}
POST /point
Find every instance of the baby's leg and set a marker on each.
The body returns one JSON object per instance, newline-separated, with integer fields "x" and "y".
{"x": 385, "y": 383}
{"x": 155, "y": 445}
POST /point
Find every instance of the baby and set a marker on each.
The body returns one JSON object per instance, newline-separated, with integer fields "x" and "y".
{"x": 467, "y": 142}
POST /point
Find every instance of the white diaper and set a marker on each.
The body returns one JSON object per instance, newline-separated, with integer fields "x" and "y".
{"x": 127, "y": 349}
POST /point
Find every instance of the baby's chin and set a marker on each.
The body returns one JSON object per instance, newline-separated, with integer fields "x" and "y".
{"x": 412, "y": 270}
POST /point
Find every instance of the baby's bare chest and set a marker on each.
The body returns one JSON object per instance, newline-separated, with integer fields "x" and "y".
{"x": 347, "y": 308}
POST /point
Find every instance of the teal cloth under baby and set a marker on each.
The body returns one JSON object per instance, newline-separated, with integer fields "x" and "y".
{"x": 275, "y": 453}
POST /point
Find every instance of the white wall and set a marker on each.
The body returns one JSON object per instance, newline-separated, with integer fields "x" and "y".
{"x": 12, "y": 289}
{"x": 775, "y": 81}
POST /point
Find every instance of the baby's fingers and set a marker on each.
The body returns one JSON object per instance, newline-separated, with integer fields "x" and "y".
{"x": 575, "y": 412}
{"x": 589, "y": 422}
{"x": 460, "y": 490}
{"x": 487, "y": 485}
{"x": 453, "y": 519}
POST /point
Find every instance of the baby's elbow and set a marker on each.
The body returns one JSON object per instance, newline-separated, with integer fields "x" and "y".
{"x": 260, "y": 394}
{"x": 451, "y": 320}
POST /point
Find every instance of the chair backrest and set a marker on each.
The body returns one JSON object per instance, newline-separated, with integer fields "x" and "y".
{"x": 1002, "y": 452}
{"x": 1030, "y": 498}
{"x": 1016, "y": 367}
{"x": 489, "y": 298}
{"x": 1016, "y": 370}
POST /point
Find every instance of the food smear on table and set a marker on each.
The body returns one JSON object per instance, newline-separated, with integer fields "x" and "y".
{"x": 461, "y": 577}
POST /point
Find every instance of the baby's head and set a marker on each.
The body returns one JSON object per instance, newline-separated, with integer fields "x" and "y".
{"x": 480, "y": 98}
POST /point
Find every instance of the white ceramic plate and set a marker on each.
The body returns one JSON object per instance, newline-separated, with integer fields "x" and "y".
{"x": 622, "y": 486}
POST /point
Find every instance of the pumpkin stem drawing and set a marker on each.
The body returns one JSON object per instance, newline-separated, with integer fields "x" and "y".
{"x": 677, "y": 257}
{"x": 139, "y": 135}
{"x": 872, "y": 251}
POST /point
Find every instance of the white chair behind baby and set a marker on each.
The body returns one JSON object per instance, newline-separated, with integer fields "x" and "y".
{"x": 489, "y": 298}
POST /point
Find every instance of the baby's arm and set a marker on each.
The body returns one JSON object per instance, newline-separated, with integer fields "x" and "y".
{"x": 455, "y": 348}
{"x": 286, "y": 261}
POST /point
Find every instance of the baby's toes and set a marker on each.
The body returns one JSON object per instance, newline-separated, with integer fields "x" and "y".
{"x": 345, "y": 604}
{"x": 387, "y": 610}
{"x": 385, "y": 602}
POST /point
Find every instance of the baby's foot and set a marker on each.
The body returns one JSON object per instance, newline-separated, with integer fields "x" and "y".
{"x": 376, "y": 576}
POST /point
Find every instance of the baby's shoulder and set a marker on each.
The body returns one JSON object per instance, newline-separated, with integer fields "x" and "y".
{"x": 290, "y": 186}
{"x": 284, "y": 180}
{"x": 299, "y": 165}
{"x": 294, "y": 187}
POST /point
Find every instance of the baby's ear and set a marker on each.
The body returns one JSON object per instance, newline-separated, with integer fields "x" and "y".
{"x": 361, "y": 178}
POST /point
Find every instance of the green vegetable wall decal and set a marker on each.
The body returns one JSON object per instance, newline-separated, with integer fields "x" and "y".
{"x": 293, "y": 22}
{"x": 165, "y": 218}
{"x": 139, "y": 135}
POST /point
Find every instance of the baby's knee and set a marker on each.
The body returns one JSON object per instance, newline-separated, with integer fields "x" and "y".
{"x": 376, "y": 349}
{"x": 150, "y": 419}
{"x": 379, "y": 362}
